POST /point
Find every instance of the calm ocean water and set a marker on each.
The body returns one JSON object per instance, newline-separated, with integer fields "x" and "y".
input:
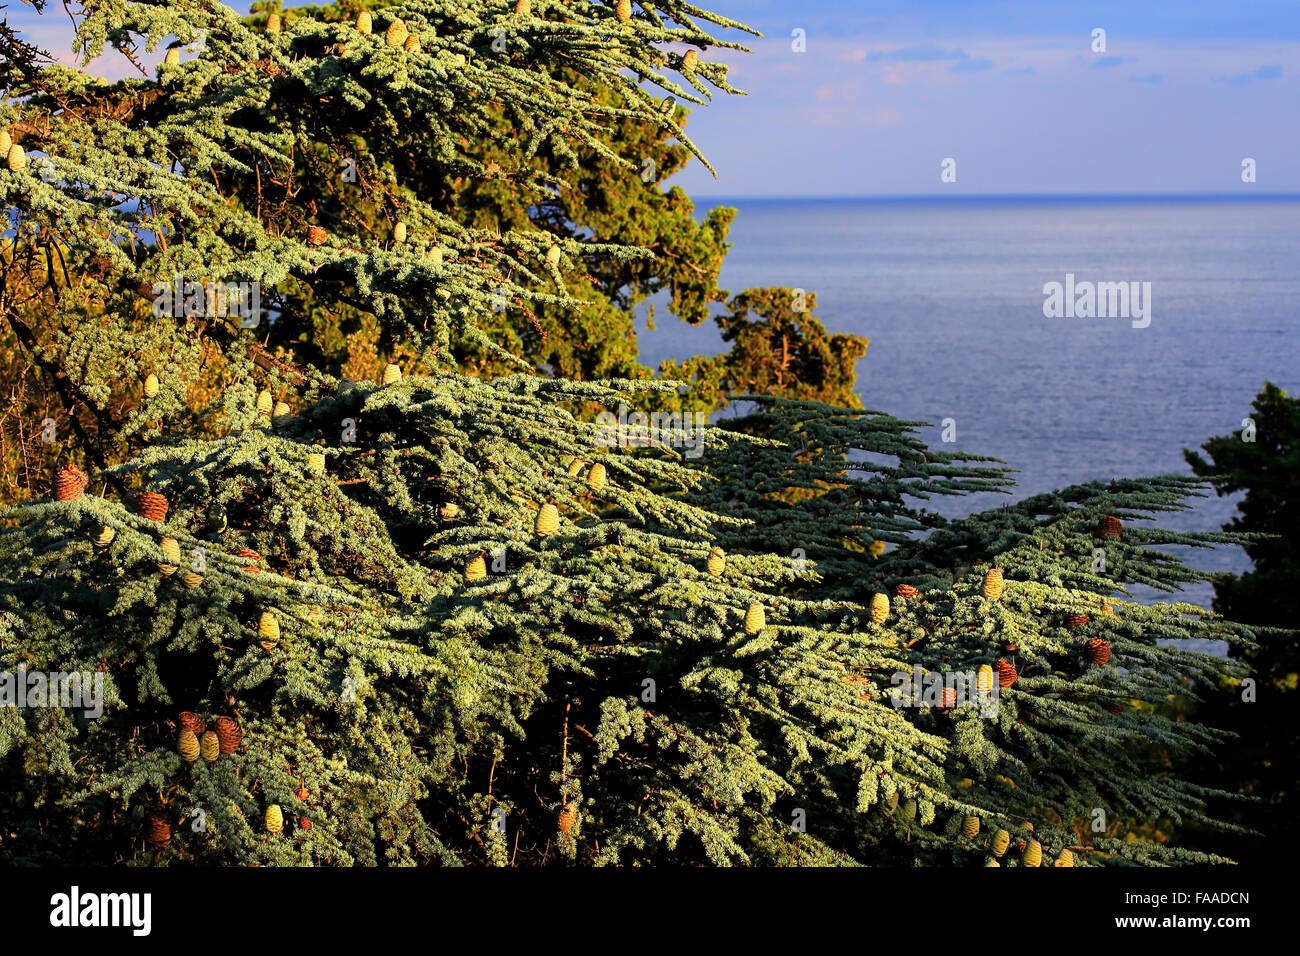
{"x": 950, "y": 293}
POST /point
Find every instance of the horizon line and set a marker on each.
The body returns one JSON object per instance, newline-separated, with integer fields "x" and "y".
{"x": 968, "y": 197}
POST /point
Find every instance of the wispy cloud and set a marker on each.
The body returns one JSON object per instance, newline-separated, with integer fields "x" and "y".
{"x": 1263, "y": 73}
{"x": 1106, "y": 62}
{"x": 917, "y": 54}
{"x": 971, "y": 66}
{"x": 1155, "y": 79}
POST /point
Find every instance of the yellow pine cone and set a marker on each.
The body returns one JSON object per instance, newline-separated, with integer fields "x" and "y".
{"x": 5, "y": 141}
{"x": 188, "y": 745}
{"x": 392, "y": 373}
{"x": 575, "y": 467}
{"x": 596, "y": 477}
{"x": 173, "y": 57}
{"x": 879, "y": 608}
{"x": 274, "y": 819}
{"x": 106, "y": 536}
{"x": 717, "y": 562}
{"x": 476, "y": 570}
{"x": 553, "y": 255}
{"x": 210, "y": 746}
{"x": 1001, "y": 840}
{"x": 171, "y": 550}
{"x": 191, "y": 580}
{"x": 448, "y": 511}
{"x": 1065, "y": 859}
{"x": 984, "y": 679}
{"x": 281, "y": 409}
{"x": 970, "y": 827}
{"x": 755, "y": 619}
{"x": 993, "y": 584}
{"x": 269, "y": 627}
{"x": 16, "y": 159}
{"x": 523, "y": 7}
{"x": 548, "y": 519}
{"x": 877, "y": 548}
{"x": 316, "y": 462}
{"x": 412, "y": 45}
{"x": 150, "y": 385}
{"x": 264, "y": 402}
{"x": 365, "y": 23}
{"x": 396, "y": 33}
{"x": 624, "y": 9}
{"x": 399, "y": 230}
{"x": 690, "y": 61}
{"x": 992, "y": 863}
{"x": 273, "y": 23}
{"x": 1033, "y": 853}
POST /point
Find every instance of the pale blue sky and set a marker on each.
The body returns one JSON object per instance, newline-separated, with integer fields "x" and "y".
{"x": 1012, "y": 91}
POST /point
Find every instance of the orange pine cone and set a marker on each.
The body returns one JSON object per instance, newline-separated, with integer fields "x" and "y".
{"x": 1006, "y": 673}
{"x": 1076, "y": 620}
{"x": 1097, "y": 651}
{"x": 905, "y": 591}
{"x": 228, "y": 735}
{"x": 152, "y": 506}
{"x": 192, "y": 722}
{"x": 250, "y": 555}
{"x": 69, "y": 483}
{"x": 158, "y": 829}
{"x": 568, "y": 817}
{"x": 316, "y": 236}
{"x": 1110, "y": 527}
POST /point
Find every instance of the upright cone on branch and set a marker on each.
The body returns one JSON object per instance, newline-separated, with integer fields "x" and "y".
{"x": 879, "y": 608}
{"x": 1007, "y": 674}
{"x": 316, "y": 462}
{"x": 412, "y": 45}
{"x": 1097, "y": 651}
{"x": 970, "y": 827}
{"x": 755, "y": 618}
{"x": 157, "y": 829}
{"x": 396, "y": 33}
{"x": 316, "y": 236}
{"x": 229, "y": 734}
{"x": 5, "y": 141}
{"x": 173, "y": 57}
{"x": 106, "y": 536}
{"x": 151, "y": 506}
{"x": 171, "y": 550}
{"x": 596, "y": 477}
{"x": 210, "y": 746}
{"x": 717, "y": 562}
{"x": 1065, "y": 859}
{"x": 191, "y": 721}
{"x": 150, "y": 385}
{"x": 1033, "y": 853}
{"x": 476, "y": 569}
{"x": 1001, "y": 840}
{"x": 984, "y": 679}
{"x": 523, "y": 7}
{"x": 365, "y": 23}
{"x": 548, "y": 519}
{"x": 624, "y": 9}
{"x": 269, "y": 627}
{"x": 993, "y": 584}
{"x": 905, "y": 591}
{"x": 265, "y": 402}
{"x": 188, "y": 746}
{"x": 274, "y": 819}
{"x": 273, "y": 24}
{"x": 16, "y": 159}
{"x": 69, "y": 483}
{"x": 568, "y": 817}
{"x": 690, "y": 61}
{"x": 392, "y": 373}
{"x": 1110, "y": 527}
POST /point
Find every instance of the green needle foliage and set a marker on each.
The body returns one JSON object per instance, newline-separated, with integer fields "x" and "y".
{"x": 488, "y": 619}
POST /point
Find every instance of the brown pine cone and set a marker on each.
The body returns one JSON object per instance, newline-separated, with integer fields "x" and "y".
{"x": 192, "y": 722}
{"x": 69, "y": 483}
{"x": 1006, "y": 673}
{"x": 157, "y": 829}
{"x": 1110, "y": 527}
{"x": 1097, "y": 651}
{"x": 152, "y": 506}
{"x": 568, "y": 817}
{"x": 316, "y": 236}
{"x": 250, "y": 555}
{"x": 1076, "y": 620}
{"x": 905, "y": 591}
{"x": 228, "y": 735}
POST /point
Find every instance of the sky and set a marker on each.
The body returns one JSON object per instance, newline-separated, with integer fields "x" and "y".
{"x": 1013, "y": 93}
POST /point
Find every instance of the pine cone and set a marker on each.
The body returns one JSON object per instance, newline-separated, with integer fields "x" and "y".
{"x": 269, "y": 627}
{"x": 396, "y": 33}
{"x": 624, "y": 9}
{"x": 5, "y": 140}
{"x": 316, "y": 236}
{"x": 150, "y": 385}
{"x": 188, "y": 746}
{"x": 399, "y": 230}
{"x": 991, "y": 862}
{"x": 1001, "y": 840}
{"x": 1033, "y": 853}
{"x": 69, "y": 483}
{"x": 209, "y": 746}
{"x": 265, "y": 402}
{"x": 248, "y": 554}
{"x": 1110, "y": 527}
{"x": 755, "y": 619}
{"x": 449, "y": 511}
{"x": 553, "y": 255}
{"x": 523, "y": 7}
{"x": 316, "y": 462}
{"x": 717, "y": 562}
{"x": 476, "y": 570}
{"x": 273, "y": 23}
{"x": 274, "y": 819}
{"x": 192, "y": 722}
{"x": 1107, "y": 611}
{"x": 171, "y": 550}
{"x": 984, "y": 679}
{"x": 970, "y": 827}
{"x": 191, "y": 580}
{"x": 412, "y": 45}
{"x": 151, "y": 506}
{"x": 993, "y": 584}
{"x": 229, "y": 735}
{"x": 575, "y": 467}
{"x": 1006, "y": 673}
{"x": 1097, "y": 651}
{"x": 548, "y": 520}
{"x": 392, "y": 373}
{"x": 157, "y": 829}
{"x": 281, "y": 410}
{"x": 596, "y": 477}
{"x": 365, "y": 23}
{"x": 690, "y": 61}
{"x": 948, "y": 698}
{"x": 879, "y": 608}
{"x": 1065, "y": 859}
{"x": 106, "y": 536}
{"x": 17, "y": 159}
{"x": 568, "y": 817}
{"x": 1076, "y": 620}
{"x": 905, "y": 591}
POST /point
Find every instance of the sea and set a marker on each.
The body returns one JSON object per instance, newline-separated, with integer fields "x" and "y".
{"x": 951, "y": 294}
